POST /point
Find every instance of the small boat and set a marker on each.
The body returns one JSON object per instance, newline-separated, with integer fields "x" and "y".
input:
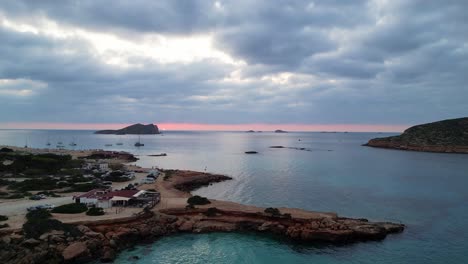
{"x": 158, "y": 155}
{"x": 108, "y": 145}
{"x": 139, "y": 144}
{"x": 119, "y": 143}
{"x": 73, "y": 143}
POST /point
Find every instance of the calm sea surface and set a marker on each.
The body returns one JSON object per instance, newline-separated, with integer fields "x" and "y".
{"x": 426, "y": 191}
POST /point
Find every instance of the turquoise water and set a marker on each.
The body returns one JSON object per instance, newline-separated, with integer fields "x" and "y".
{"x": 426, "y": 191}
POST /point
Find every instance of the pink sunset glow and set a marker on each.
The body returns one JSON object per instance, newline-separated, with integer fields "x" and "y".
{"x": 214, "y": 127}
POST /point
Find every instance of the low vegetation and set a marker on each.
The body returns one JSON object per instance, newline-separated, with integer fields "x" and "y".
{"x": 73, "y": 208}
{"x": 95, "y": 211}
{"x": 46, "y": 183}
{"x": 116, "y": 176}
{"x": 168, "y": 174}
{"x": 38, "y": 222}
{"x": 38, "y": 164}
{"x": 272, "y": 211}
{"x": 3, "y": 218}
{"x": 275, "y": 212}
{"x": 197, "y": 200}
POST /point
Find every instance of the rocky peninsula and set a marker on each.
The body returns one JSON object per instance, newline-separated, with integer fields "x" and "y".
{"x": 136, "y": 129}
{"x": 177, "y": 212}
{"x": 447, "y": 136}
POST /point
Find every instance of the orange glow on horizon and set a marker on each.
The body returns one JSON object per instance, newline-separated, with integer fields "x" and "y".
{"x": 213, "y": 127}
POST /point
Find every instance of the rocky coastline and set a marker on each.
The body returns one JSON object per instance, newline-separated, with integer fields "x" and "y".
{"x": 104, "y": 239}
{"x": 446, "y": 136}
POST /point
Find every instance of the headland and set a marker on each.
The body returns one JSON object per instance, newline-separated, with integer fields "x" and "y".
{"x": 446, "y": 136}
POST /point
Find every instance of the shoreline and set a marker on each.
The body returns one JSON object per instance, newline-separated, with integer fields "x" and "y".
{"x": 379, "y": 143}
{"x": 104, "y": 238}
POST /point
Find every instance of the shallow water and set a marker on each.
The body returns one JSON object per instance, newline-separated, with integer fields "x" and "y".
{"x": 426, "y": 191}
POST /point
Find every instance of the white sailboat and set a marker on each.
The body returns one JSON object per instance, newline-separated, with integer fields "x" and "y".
{"x": 139, "y": 144}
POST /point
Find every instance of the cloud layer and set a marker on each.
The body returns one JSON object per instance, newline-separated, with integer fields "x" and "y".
{"x": 233, "y": 62}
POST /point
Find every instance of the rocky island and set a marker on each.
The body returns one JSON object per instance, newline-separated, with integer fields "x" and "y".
{"x": 447, "y": 136}
{"x": 136, "y": 129}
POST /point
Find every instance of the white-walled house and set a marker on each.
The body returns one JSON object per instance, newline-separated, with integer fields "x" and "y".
{"x": 106, "y": 199}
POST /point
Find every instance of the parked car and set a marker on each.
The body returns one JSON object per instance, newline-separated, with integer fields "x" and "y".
{"x": 42, "y": 206}
{"x": 46, "y": 206}
{"x": 35, "y": 197}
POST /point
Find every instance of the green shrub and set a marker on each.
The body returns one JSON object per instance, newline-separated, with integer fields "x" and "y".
{"x": 272, "y": 211}
{"x": 35, "y": 184}
{"x": 85, "y": 187}
{"x": 4, "y": 225}
{"x": 38, "y": 214}
{"x": 15, "y": 196}
{"x": 3, "y": 217}
{"x": 198, "y": 200}
{"x": 73, "y": 208}
{"x": 95, "y": 211}
{"x": 39, "y": 222}
{"x": 6, "y": 150}
{"x": 116, "y": 166}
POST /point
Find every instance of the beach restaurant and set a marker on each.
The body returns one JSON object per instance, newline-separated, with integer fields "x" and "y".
{"x": 106, "y": 199}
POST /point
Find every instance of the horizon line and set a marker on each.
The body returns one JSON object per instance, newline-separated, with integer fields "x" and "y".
{"x": 264, "y": 127}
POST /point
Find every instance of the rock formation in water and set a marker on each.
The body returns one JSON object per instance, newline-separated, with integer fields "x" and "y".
{"x": 280, "y": 131}
{"x": 447, "y": 136}
{"x": 137, "y": 129}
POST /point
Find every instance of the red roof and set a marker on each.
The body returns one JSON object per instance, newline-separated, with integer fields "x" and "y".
{"x": 102, "y": 194}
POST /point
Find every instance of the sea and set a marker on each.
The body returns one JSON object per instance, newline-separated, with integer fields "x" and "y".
{"x": 331, "y": 172}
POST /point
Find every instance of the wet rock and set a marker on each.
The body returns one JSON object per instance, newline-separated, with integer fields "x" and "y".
{"x": 77, "y": 250}
{"x": 108, "y": 255}
{"x": 265, "y": 226}
{"x": 83, "y": 229}
{"x": 186, "y": 226}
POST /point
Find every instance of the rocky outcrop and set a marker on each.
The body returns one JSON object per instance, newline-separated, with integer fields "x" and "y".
{"x": 327, "y": 229}
{"x": 195, "y": 180}
{"x": 103, "y": 239}
{"x": 447, "y": 136}
{"x": 117, "y": 155}
{"x": 137, "y": 129}
{"x": 76, "y": 251}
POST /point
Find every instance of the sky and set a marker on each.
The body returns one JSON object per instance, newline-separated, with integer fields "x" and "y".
{"x": 377, "y": 65}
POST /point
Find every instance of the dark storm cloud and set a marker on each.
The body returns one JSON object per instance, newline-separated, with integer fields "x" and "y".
{"x": 367, "y": 61}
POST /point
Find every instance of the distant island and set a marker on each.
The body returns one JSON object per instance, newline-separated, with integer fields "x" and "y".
{"x": 280, "y": 131}
{"x": 446, "y": 136}
{"x": 137, "y": 129}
